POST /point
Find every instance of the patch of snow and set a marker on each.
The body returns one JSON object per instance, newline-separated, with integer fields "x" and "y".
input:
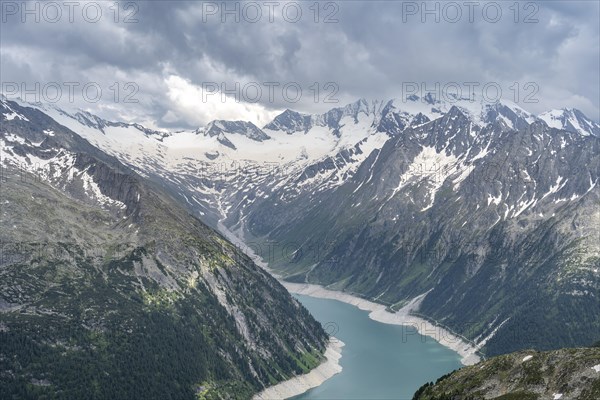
{"x": 552, "y": 118}
{"x": 430, "y": 167}
{"x": 556, "y": 187}
{"x": 13, "y": 115}
{"x": 14, "y": 138}
{"x": 524, "y": 205}
{"x": 92, "y": 189}
{"x": 491, "y": 335}
{"x": 494, "y": 199}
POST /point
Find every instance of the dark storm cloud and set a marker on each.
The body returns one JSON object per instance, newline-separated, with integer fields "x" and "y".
{"x": 373, "y": 48}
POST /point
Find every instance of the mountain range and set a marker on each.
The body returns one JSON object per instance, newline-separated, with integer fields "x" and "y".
{"x": 489, "y": 211}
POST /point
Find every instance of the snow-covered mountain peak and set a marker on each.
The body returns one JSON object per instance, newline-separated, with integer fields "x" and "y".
{"x": 479, "y": 110}
{"x": 572, "y": 120}
{"x": 77, "y": 117}
{"x": 359, "y": 106}
{"x": 221, "y": 127}
{"x": 290, "y": 121}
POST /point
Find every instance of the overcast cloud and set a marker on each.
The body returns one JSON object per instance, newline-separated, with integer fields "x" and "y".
{"x": 171, "y": 59}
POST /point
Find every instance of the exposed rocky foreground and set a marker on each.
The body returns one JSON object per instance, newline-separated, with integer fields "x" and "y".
{"x": 565, "y": 374}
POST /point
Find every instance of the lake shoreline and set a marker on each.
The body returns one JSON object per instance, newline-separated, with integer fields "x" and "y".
{"x": 378, "y": 312}
{"x": 302, "y": 383}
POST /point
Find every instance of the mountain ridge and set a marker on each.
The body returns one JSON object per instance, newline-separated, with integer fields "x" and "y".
{"x": 570, "y": 119}
{"x": 465, "y": 206}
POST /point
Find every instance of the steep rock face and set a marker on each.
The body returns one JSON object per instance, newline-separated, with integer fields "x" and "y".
{"x": 110, "y": 287}
{"x": 329, "y": 164}
{"x": 248, "y": 129}
{"x": 290, "y": 121}
{"x": 562, "y": 374}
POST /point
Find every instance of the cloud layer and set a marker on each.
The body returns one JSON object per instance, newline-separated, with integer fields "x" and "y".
{"x": 263, "y": 57}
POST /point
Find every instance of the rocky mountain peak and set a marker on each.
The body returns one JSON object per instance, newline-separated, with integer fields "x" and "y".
{"x": 572, "y": 120}
{"x": 244, "y": 128}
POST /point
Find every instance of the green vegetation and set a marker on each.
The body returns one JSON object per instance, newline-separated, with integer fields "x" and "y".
{"x": 109, "y": 343}
{"x": 127, "y": 350}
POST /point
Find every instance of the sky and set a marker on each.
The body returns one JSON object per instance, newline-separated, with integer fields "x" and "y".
{"x": 179, "y": 65}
